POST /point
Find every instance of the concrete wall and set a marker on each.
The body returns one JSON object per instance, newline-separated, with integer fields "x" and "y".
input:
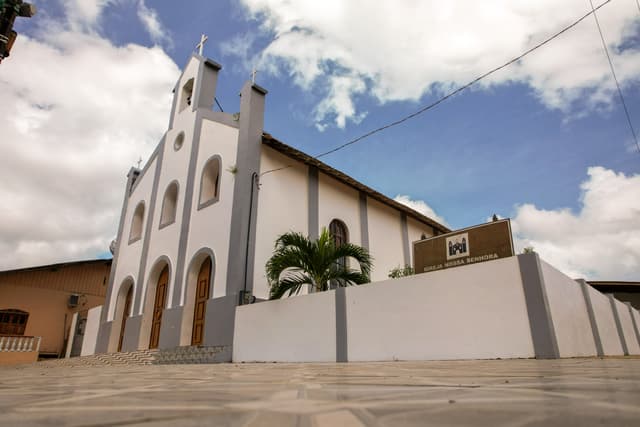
{"x": 301, "y": 328}
{"x": 606, "y": 323}
{"x": 568, "y": 313}
{"x": 516, "y": 307}
{"x": 628, "y": 330}
{"x": 91, "y": 331}
{"x": 471, "y": 312}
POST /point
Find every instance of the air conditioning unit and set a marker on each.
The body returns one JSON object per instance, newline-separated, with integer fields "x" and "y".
{"x": 74, "y": 300}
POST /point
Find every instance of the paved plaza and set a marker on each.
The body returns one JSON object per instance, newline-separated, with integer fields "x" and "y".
{"x": 569, "y": 392}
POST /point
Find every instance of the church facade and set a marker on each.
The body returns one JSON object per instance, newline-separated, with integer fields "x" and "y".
{"x": 200, "y": 219}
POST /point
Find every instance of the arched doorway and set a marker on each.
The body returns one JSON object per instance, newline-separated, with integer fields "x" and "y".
{"x": 125, "y": 315}
{"x": 158, "y": 307}
{"x": 200, "y": 305}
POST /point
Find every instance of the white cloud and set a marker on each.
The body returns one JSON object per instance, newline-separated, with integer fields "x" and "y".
{"x": 420, "y": 206}
{"x": 403, "y": 49}
{"x": 602, "y": 241}
{"x": 69, "y": 132}
{"x": 151, "y": 22}
{"x": 84, "y": 14}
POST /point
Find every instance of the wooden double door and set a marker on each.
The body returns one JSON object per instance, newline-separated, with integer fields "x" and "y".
{"x": 158, "y": 307}
{"x": 200, "y": 306}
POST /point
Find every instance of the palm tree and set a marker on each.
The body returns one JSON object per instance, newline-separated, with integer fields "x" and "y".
{"x": 299, "y": 261}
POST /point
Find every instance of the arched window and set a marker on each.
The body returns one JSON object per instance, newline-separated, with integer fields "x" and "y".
{"x": 136, "y": 223}
{"x": 169, "y": 205}
{"x": 340, "y": 235}
{"x": 13, "y": 322}
{"x": 210, "y": 182}
{"x": 186, "y": 95}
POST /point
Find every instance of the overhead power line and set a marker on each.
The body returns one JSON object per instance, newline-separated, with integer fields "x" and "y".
{"x": 613, "y": 73}
{"x": 456, "y": 91}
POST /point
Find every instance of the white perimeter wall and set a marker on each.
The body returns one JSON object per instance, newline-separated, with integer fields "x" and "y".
{"x": 282, "y": 207}
{"x": 568, "y": 313}
{"x": 91, "y": 331}
{"x": 301, "y": 328}
{"x": 607, "y": 329}
{"x": 627, "y": 328}
{"x": 471, "y": 312}
{"x": 210, "y": 227}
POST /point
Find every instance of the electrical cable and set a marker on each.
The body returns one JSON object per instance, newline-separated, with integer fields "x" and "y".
{"x": 615, "y": 78}
{"x": 456, "y": 91}
{"x": 219, "y": 106}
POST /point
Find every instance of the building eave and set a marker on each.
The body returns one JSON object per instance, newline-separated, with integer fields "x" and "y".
{"x": 298, "y": 155}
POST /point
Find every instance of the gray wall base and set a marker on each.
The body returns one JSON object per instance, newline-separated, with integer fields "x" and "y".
{"x": 342, "y": 351}
{"x": 220, "y": 321}
{"x": 545, "y": 344}
{"x": 131, "y": 333}
{"x": 102, "y": 341}
{"x": 170, "y": 327}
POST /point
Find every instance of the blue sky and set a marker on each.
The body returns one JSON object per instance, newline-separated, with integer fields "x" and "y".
{"x": 544, "y": 141}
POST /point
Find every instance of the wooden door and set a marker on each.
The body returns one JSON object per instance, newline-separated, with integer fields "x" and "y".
{"x": 200, "y": 307}
{"x": 158, "y": 306}
{"x": 125, "y": 315}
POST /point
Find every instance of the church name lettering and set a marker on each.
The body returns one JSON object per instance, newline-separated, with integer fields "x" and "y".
{"x": 463, "y": 261}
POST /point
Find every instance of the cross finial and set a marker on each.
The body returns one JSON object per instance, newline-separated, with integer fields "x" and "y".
{"x": 139, "y": 162}
{"x": 200, "y": 45}
{"x": 253, "y": 75}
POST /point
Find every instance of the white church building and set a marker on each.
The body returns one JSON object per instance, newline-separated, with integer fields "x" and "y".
{"x": 200, "y": 219}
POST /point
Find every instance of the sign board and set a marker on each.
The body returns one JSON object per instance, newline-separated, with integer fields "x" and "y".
{"x": 480, "y": 243}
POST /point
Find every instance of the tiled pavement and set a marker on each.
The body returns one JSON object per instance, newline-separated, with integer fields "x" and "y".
{"x": 569, "y": 392}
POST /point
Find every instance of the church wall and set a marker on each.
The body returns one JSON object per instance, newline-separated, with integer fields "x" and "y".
{"x": 282, "y": 207}
{"x": 210, "y": 225}
{"x": 415, "y": 230}
{"x": 129, "y": 254}
{"x": 339, "y": 201}
{"x": 606, "y": 323}
{"x": 385, "y": 239}
{"x": 175, "y": 165}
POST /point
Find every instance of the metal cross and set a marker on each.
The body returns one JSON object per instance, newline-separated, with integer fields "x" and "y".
{"x": 139, "y": 162}
{"x": 253, "y": 75}
{"x": 200, "y": 45}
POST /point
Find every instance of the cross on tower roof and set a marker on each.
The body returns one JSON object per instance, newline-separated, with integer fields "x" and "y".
{"x": 253, "y": 75}
{"x": 200, "y": 45}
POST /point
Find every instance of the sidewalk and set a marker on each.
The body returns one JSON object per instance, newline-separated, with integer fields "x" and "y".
{"x": 568, "y": 392}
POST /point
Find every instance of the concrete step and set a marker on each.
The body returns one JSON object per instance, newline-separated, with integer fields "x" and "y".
{"x": 177, "y": 355}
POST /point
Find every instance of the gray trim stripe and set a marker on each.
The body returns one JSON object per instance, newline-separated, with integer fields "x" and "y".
{"x": 342, "y": 351}
{"x": 406, "y": 250}
{"x": 186, "y": 212}
{"x": 364, "y": 221}
{"x": 592, "y": 318}
{"x": 545, "y": 343}
{"x": 616, "y": 317}
{"x": 633, "y": 320}
{"x": 313, "y": 216}
{"x": 148, "y": 229}
{"x": 241, "y": 239}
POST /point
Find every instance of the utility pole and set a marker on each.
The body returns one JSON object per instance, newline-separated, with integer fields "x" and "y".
{"x": 9, "y": 11}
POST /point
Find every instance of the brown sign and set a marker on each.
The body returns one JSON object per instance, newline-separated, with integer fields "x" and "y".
{"x": 480, "y": 243}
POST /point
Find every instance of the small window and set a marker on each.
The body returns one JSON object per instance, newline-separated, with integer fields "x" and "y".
{"x": 136, "y": 223}
{"x": 169, "y": 205}
{"x": 177, "y": 144}
{"x": 13, "y": 322}
{"x": 210, "y": 182}
{"x": 186, "y": 95}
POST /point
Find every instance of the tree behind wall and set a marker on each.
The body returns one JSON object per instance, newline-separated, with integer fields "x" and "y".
{"x": 299, "y": 261}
